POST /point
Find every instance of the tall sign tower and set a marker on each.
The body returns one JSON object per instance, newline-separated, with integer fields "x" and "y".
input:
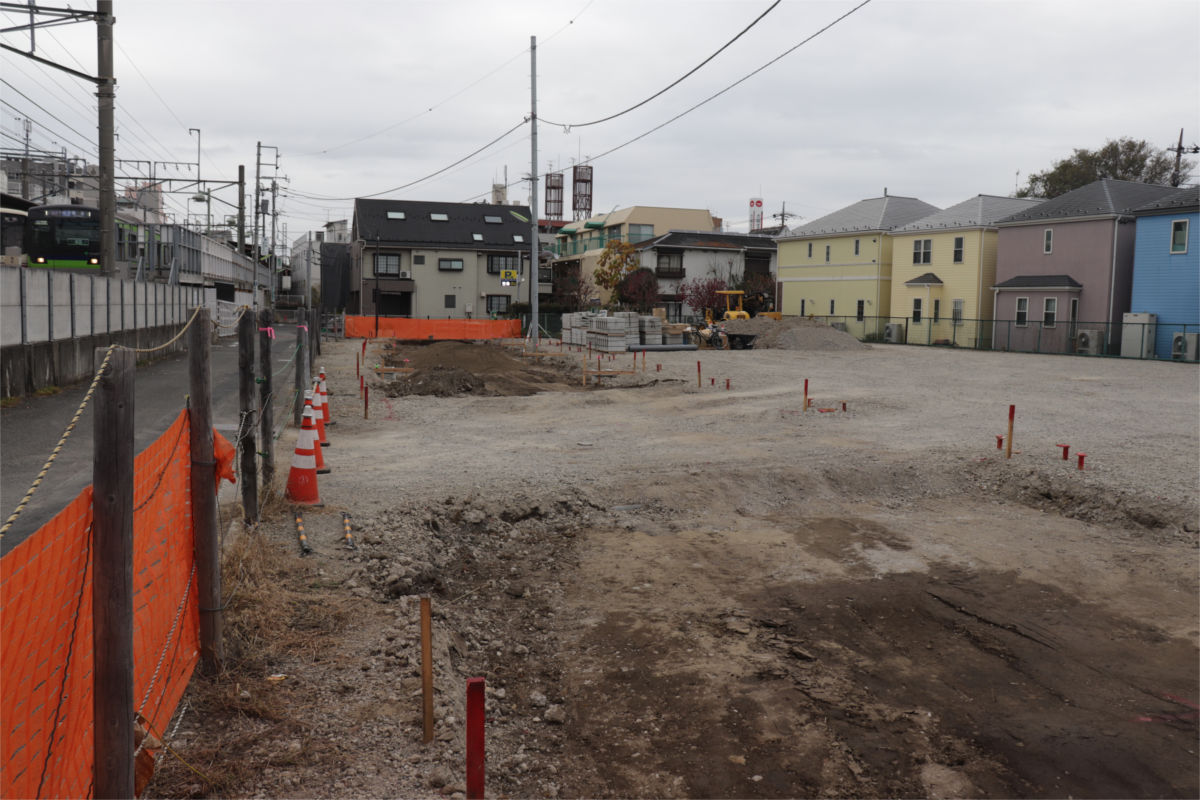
{"x": 554, "y": 195}
{"x": 581, "y": 190}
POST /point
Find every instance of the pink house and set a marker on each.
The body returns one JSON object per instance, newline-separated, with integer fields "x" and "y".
{"x": 1065, "y": 267}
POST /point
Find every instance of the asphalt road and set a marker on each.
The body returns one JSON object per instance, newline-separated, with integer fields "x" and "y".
{"x": 30, "y": 430}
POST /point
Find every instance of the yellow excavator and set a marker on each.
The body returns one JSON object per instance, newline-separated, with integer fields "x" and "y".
{"x": 759, "y": 301}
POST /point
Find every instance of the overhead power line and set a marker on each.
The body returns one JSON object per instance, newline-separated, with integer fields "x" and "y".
{"x": 668, "y": 87}
{"x": 738, "y": 82}
{"x": 446, "y": 168}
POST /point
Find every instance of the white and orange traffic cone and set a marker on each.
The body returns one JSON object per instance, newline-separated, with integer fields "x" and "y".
{"x": 325, "y": 399}
{"x": 322, "y": 469}
{"x": 302, "y": 480}
{"x": 318, "y": 414}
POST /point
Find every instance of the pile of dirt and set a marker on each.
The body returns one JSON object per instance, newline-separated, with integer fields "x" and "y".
{"x": 449, "y": 369}
{"x": 794, "y": 333}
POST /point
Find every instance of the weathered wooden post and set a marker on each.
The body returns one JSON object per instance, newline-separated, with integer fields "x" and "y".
{"x": 266, "y": 401}
{"x": 246, "y": 444}
{"x": 112, "y": 579}
{"x": 204, "y": 494}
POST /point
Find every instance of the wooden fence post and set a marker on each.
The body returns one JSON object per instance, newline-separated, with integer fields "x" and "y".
{"x": 266, "y": 404}
{"x": 246, "y": 443}
{"x": 301, "y": 366}
{"x": 204, "y": 494}
{"x": 112, "y": 581}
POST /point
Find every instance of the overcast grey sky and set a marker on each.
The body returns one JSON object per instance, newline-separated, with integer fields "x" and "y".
{"x": 936, "y": 100}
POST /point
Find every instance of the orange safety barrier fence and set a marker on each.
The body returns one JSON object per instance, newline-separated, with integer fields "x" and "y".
{"x": 46, "y": 722}
{"x": 404, "y": 328}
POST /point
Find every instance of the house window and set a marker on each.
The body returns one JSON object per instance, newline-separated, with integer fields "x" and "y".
{"x": 922, "y": 251}
{"x": 497, "y": 303}
{"x": 860, "y": 310}
{"x": 451, "y": 300}
{"x": 518, "y": 237}
{"x": 958, "y": 249}
{"x": 937, "y": 310}
{"x": 856, "y": 247}
{"x": 640, "y": 233}
{"x": 956, "y": 312}
{"x": 1048, "y": 243}
{"x": 1074, "y": 310}
{"x": 827, "y": 256}
{"x": 477, "y": 237}
{"x": 395, "y": 215}
{"x": 831, "y": 308}
{"x": 1049, "y": 312}
{"x": 1022, "y": 312}
{"x": 499, "y": 262}
{"x": 810, "y": 249}
{"x": 1179, "y": 236}
{"x": 670, "y": 265}
{"x": 387, "y": 264}
{"x": 418, "y": 260}
{"x": 438, "y": 217}
{"x": 916, "y": 315}
{"x": 490, "y": 220}
{"x": 450, "y": 264}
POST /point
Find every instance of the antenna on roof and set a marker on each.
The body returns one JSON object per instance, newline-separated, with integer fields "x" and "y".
{"x": 885, "y": 191}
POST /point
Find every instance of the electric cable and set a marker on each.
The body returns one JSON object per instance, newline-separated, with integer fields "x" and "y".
{"x": 84, "y": 149}
{"x": 727, "y": 88}
{"x": 669, "y": 86}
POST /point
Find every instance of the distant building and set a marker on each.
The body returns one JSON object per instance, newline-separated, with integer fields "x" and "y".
{"x": 437, "y": 260}
{"x": 1166, "y": 267}
{"x": 735, "y": 258}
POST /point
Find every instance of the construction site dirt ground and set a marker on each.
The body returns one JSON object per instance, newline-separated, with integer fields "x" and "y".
{"x": 683, "y": 590}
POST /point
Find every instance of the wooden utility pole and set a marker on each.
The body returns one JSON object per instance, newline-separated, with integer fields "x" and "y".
{"x": 112, "y": 579}
{"x": 246, "y": 443}
{"x": 266, "y": 412}
{"x": 204, "y": 494}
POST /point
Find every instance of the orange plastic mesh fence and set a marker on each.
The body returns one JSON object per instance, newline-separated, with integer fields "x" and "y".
{"x": 402, "y": 328}
{"x": 46, "y": 626}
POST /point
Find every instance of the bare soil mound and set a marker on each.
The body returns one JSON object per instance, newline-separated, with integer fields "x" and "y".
{"x": 448, "y": 369}
{"x": 794, "y": 333}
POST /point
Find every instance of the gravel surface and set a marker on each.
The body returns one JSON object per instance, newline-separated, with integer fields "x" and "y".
{"x": 683, "y": 590}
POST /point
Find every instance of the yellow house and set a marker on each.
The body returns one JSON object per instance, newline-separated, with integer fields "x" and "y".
{"x": 580, "y": 243}
{"x": 841, "y": 264}
{"x": 943, "y": 268}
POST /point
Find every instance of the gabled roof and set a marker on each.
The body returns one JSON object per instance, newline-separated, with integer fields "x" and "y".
{"x": 701, "y": 240}
{"x": 622, "y": 215}
{"x": 1103, "y": 198}
{"x": 1185, "y": 199}
{"x": 463, "y": 221}
{"x": 875, "y": 214}
{"x": 1040, "y": 282}
{"x": 928, "y": 279}
{"x": 980, "y": 211}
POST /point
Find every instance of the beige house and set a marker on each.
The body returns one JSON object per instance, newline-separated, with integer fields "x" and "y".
{"x": 580, "y": 243}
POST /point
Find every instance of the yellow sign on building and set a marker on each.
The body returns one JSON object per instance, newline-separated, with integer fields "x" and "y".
{"x": 508, "y": 277}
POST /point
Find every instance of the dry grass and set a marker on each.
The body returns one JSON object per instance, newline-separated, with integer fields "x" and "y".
{"x": 275, "y": 622}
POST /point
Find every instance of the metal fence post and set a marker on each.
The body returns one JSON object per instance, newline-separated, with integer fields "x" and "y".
{"x": 301, "y": 366}
{"x": 112, "y": 582}
{"x": 71, "y": 295}
{"x": 50, "y": 305}
{"x": 24, "y": 308}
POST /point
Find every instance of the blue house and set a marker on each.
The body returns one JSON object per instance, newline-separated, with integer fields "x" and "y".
{"x": 1166, "y": 266}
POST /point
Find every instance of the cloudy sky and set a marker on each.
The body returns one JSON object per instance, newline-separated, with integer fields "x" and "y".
{"x": 936, "y": 100}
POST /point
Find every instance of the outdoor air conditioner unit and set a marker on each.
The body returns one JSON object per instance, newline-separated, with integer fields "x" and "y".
{"x": 405, "y": 274}
{"x": 1138, "y": 333}
{"x": 1089, "y": 342}
{"x": 1185, "y": 347}
{"x": 893, "y": 332}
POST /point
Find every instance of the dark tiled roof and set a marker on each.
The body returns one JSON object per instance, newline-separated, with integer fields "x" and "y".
{"x": 464, "y": 219}
{"x": 1040, "y": 282}
{"x": 928, "y": 279}
{"x": 980, "y": 211}
{"x": 1187, "y": 198}
{"x": 1105, "y": 197}
{"x": 710, "y": 241}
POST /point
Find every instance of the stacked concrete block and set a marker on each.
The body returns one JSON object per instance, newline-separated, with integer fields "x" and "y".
{"x": 609, "y": 334}
{"x": 632, "y": 338}
{"x": 650, "y": 330}
{"x": 674, "y": 334}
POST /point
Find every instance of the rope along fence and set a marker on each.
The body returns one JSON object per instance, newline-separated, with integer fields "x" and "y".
{"x": 46, "y": 717}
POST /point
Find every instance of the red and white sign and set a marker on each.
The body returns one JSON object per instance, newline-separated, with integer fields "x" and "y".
{"x": 756, "y": 213}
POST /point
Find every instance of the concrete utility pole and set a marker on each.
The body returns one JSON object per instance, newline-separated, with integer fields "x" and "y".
{"x": 257, "y": 187}
{"x": 241, "y": 217}
{"x": 533, "y": 190}
{"x": 105, "y": 94}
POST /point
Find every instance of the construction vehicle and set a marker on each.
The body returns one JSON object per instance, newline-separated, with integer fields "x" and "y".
{"x": 714, "y": 336}
{"x": 756, "y": 304}
{"x": 730, "y": 311}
